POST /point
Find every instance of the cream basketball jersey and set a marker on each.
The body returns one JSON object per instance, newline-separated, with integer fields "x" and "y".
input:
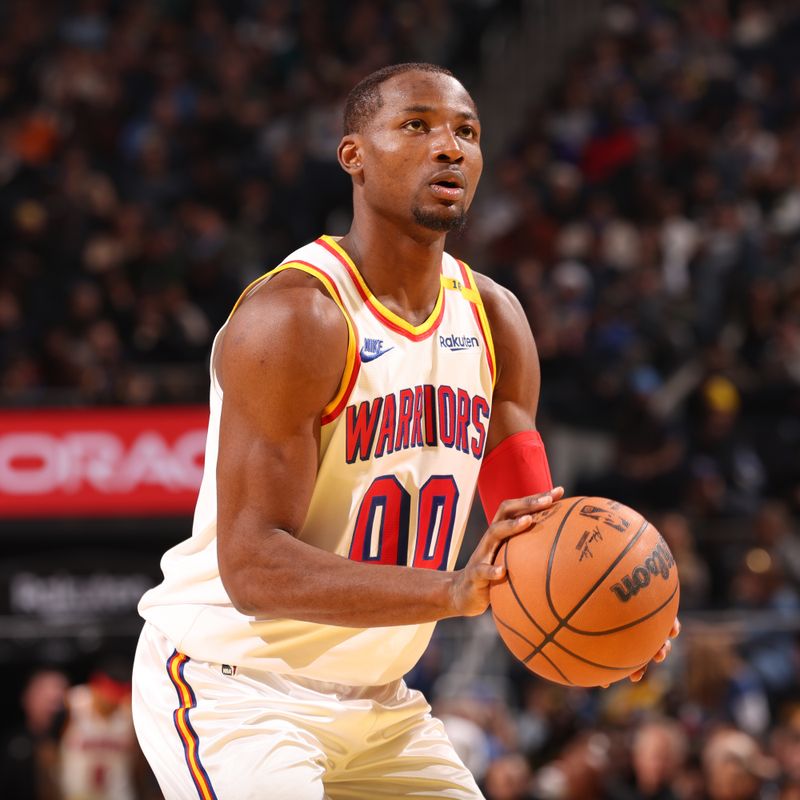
{"x": 401, "y": 446}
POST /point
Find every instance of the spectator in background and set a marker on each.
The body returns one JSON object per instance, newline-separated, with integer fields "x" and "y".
{"x": 29, "y": 755}
{"x": 789, "y": 792}
{"x": 646, "y": 472}
{"x": 720, "y": 687}
{"x": 769, "y": 640}
{"x": 578, "y": 773}
{"x": 721, "y": 441}
{"x": 785, "y": 743}
{"x": 658, "y": 755}
{"x": 100, "y": 759}
{"x": 735, "y": 767}
{"x": 469, "y": 740}
{"x": 550, "y": 716}
{"x": 778, "y": 536}
{"x": 508, "y": 778}
{"x": 693, "y": 570}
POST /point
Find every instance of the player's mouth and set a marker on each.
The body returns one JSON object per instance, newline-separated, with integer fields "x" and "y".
{"x": 448, "y": 185}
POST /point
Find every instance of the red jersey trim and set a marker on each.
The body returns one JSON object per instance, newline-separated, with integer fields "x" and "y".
{"x": 384, "y": 315}
{"x": 481, "y": 318}
{"x": 353, "y": 362}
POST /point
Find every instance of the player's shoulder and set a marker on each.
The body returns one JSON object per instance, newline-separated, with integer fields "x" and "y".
{"x": 289, "y": 321}
{"x": 289, "y": 302}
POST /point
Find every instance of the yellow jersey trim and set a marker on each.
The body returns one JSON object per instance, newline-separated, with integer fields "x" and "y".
{"x": 351, "y": 363}
{"x": 378, "y": 308}
{"x": 474, "y": 296}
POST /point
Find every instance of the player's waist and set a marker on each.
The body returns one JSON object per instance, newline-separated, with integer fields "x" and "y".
{"x": 313, "y": 651}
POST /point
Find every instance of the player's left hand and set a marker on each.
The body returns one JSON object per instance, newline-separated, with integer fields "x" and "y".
{"x": 662, "y": 653}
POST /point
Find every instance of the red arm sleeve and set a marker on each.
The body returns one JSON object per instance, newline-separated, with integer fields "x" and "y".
{"x": 517, "y": 467}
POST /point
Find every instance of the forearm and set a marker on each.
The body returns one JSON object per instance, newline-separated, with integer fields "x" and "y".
{"x": 279, "y": 576}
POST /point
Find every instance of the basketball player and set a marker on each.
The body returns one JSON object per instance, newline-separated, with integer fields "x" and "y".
{"x": 351, "y": 395}
{"x": 98, "y": 748}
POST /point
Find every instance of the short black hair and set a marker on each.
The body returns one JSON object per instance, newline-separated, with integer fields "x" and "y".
{"x": 365, "y": 98}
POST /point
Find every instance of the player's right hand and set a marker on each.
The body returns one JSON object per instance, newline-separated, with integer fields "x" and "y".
{"x": 469, "y": 592}
{"x": 511, "y": 509}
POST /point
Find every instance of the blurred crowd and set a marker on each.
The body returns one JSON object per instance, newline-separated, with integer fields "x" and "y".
{"x": 719, "y": 720}
{"x": 155, "y": 157}
{"x": 648, "y": 219}
{"x": 701, "y": 726}
{"x": 75, "y": 742}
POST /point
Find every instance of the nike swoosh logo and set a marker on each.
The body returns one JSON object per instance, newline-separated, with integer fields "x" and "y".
{"x": 366, "y": 357}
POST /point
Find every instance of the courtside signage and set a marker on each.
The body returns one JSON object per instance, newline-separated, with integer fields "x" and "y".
{"x": 101, "y": 462}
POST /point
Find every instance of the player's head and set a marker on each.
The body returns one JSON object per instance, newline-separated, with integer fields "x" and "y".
{"x": 42, "y": 698}
{"x": 412, "y": 146}
{"x": 365, "y": 98}
{"x": 110, "y": 685}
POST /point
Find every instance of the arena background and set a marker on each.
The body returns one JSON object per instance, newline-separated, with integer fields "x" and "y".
{"x": 642, "y": 199}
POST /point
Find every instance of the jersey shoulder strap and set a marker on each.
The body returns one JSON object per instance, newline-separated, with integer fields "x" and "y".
{"x": 461, "y": 280}
{"x": 350, "y": 372}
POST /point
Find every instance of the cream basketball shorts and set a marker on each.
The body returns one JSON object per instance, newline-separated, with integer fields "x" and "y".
{"x": 216, "y": 732}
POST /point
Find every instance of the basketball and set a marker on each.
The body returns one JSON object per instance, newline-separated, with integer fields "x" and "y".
{"x": 590, "y": 593}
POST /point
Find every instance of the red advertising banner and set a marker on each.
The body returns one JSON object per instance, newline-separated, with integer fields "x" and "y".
{"x": 101, "y": 462}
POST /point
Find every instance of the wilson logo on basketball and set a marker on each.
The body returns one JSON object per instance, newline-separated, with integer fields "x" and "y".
{"x": 660, "y": 563}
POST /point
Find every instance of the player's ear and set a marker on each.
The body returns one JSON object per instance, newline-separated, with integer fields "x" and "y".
{"x": 350, "y": 156}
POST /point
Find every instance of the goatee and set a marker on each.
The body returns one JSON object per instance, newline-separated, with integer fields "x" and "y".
{"x": 435, "y": 222}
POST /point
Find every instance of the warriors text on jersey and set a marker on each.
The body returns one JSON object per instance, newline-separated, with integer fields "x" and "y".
{"x": 401, "y": 446}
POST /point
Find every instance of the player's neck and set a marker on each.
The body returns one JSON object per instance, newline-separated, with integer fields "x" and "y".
{"x": 401, "y": 271}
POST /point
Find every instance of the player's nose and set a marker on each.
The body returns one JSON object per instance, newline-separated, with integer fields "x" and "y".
{"x": 447, "y": 146}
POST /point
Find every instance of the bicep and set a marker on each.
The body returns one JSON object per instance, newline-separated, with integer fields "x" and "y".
{"x": 257, "y": 456}
{"x": 276, "y": 378}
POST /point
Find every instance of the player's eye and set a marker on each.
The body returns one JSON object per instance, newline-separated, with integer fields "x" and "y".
{"x": 467, "y": 132}
{"x": 415, "y": 125}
